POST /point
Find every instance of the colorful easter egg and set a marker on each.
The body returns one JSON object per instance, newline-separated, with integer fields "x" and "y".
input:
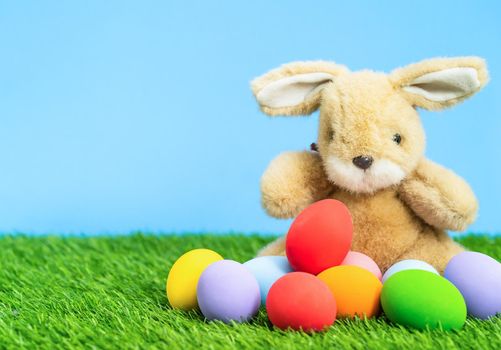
{"x": 423, "y": 299}
{"x": 300, "y": 301}
{"x": 409, "y": 264}
{"x": 319, "y": 237}
{"x": 355, "y": 289}
{"x": 363, "y": 261}
{"x": 181, "y": 286}
{"x": 478, "y": 278}
{"x": 266, "y": 270}
{"x": 228, "y": 291}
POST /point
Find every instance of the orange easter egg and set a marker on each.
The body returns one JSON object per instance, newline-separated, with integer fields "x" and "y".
{"x": 355, "y": 289}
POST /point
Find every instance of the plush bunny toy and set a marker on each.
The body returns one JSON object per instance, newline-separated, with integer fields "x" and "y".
{"x": 371, "y": 154}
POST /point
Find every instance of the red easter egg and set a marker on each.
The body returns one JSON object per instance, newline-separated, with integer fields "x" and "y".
{"x": 301, "y": 301}
{"x": 320, "y": 237}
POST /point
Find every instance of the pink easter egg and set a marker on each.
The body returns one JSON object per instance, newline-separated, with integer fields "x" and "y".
{"x": 363, "y": 261}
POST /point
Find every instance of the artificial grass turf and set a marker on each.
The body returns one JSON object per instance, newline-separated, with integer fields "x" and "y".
{"x": 109, "y": 292}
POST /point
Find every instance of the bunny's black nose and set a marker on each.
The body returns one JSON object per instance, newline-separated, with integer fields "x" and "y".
{"x": 363, "y": 162}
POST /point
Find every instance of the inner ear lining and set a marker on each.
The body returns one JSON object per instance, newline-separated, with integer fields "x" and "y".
{"x": 437, "y": 93}
{"x": 283, "y": 93}
{"x": 445, "y": 85}
{"x": 441, "y": 86}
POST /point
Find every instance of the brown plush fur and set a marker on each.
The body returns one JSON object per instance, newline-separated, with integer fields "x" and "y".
{"x": 402, "y": 205}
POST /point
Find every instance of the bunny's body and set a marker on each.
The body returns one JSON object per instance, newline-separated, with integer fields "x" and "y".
{"x": 371, "y": 154}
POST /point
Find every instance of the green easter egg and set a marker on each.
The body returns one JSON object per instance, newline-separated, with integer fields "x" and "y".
{"x": 421, "y": 299}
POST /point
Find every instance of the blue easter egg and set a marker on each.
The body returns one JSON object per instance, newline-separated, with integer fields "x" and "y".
{"x": 266, "y": 270}
{"x": 409, "y": 264}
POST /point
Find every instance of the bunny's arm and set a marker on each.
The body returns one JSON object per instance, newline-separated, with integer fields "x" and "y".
{"x": 439, "y": 196}
{"x": 292, "y": 181}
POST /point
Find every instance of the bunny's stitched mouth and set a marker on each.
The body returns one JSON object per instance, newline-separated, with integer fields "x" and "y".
{"x": 383, "y": 173}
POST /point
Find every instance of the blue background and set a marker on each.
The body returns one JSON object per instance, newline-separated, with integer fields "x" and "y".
{"x": 119, "y": 116}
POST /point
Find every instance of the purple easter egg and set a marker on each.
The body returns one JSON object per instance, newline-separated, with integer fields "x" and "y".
{"x": 478, "y": 278}
{"x": 228, "y": 291}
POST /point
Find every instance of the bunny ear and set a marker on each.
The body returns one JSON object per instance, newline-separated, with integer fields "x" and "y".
{"x": 441, "y": 82}
{"x": 294, "y": 88}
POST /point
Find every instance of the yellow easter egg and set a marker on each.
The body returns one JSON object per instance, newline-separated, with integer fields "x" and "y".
{"x": 183, "y": 277}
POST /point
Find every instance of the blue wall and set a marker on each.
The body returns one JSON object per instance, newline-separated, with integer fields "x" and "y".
{"x": 117, "y": 116}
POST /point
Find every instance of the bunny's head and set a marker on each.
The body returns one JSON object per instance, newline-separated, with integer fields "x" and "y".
{"x": 370, "y": 134}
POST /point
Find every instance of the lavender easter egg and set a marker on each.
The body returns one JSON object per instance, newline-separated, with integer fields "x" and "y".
{"x": 228, "y": 291}
{"x": 268, "y": 269}
{"x": 478, "y": 278}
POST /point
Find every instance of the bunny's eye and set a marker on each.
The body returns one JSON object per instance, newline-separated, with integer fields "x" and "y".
{"x": 397, "y": 139}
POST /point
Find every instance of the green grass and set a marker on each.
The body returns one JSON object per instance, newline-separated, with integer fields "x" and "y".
{"x": 109, "y": 292}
